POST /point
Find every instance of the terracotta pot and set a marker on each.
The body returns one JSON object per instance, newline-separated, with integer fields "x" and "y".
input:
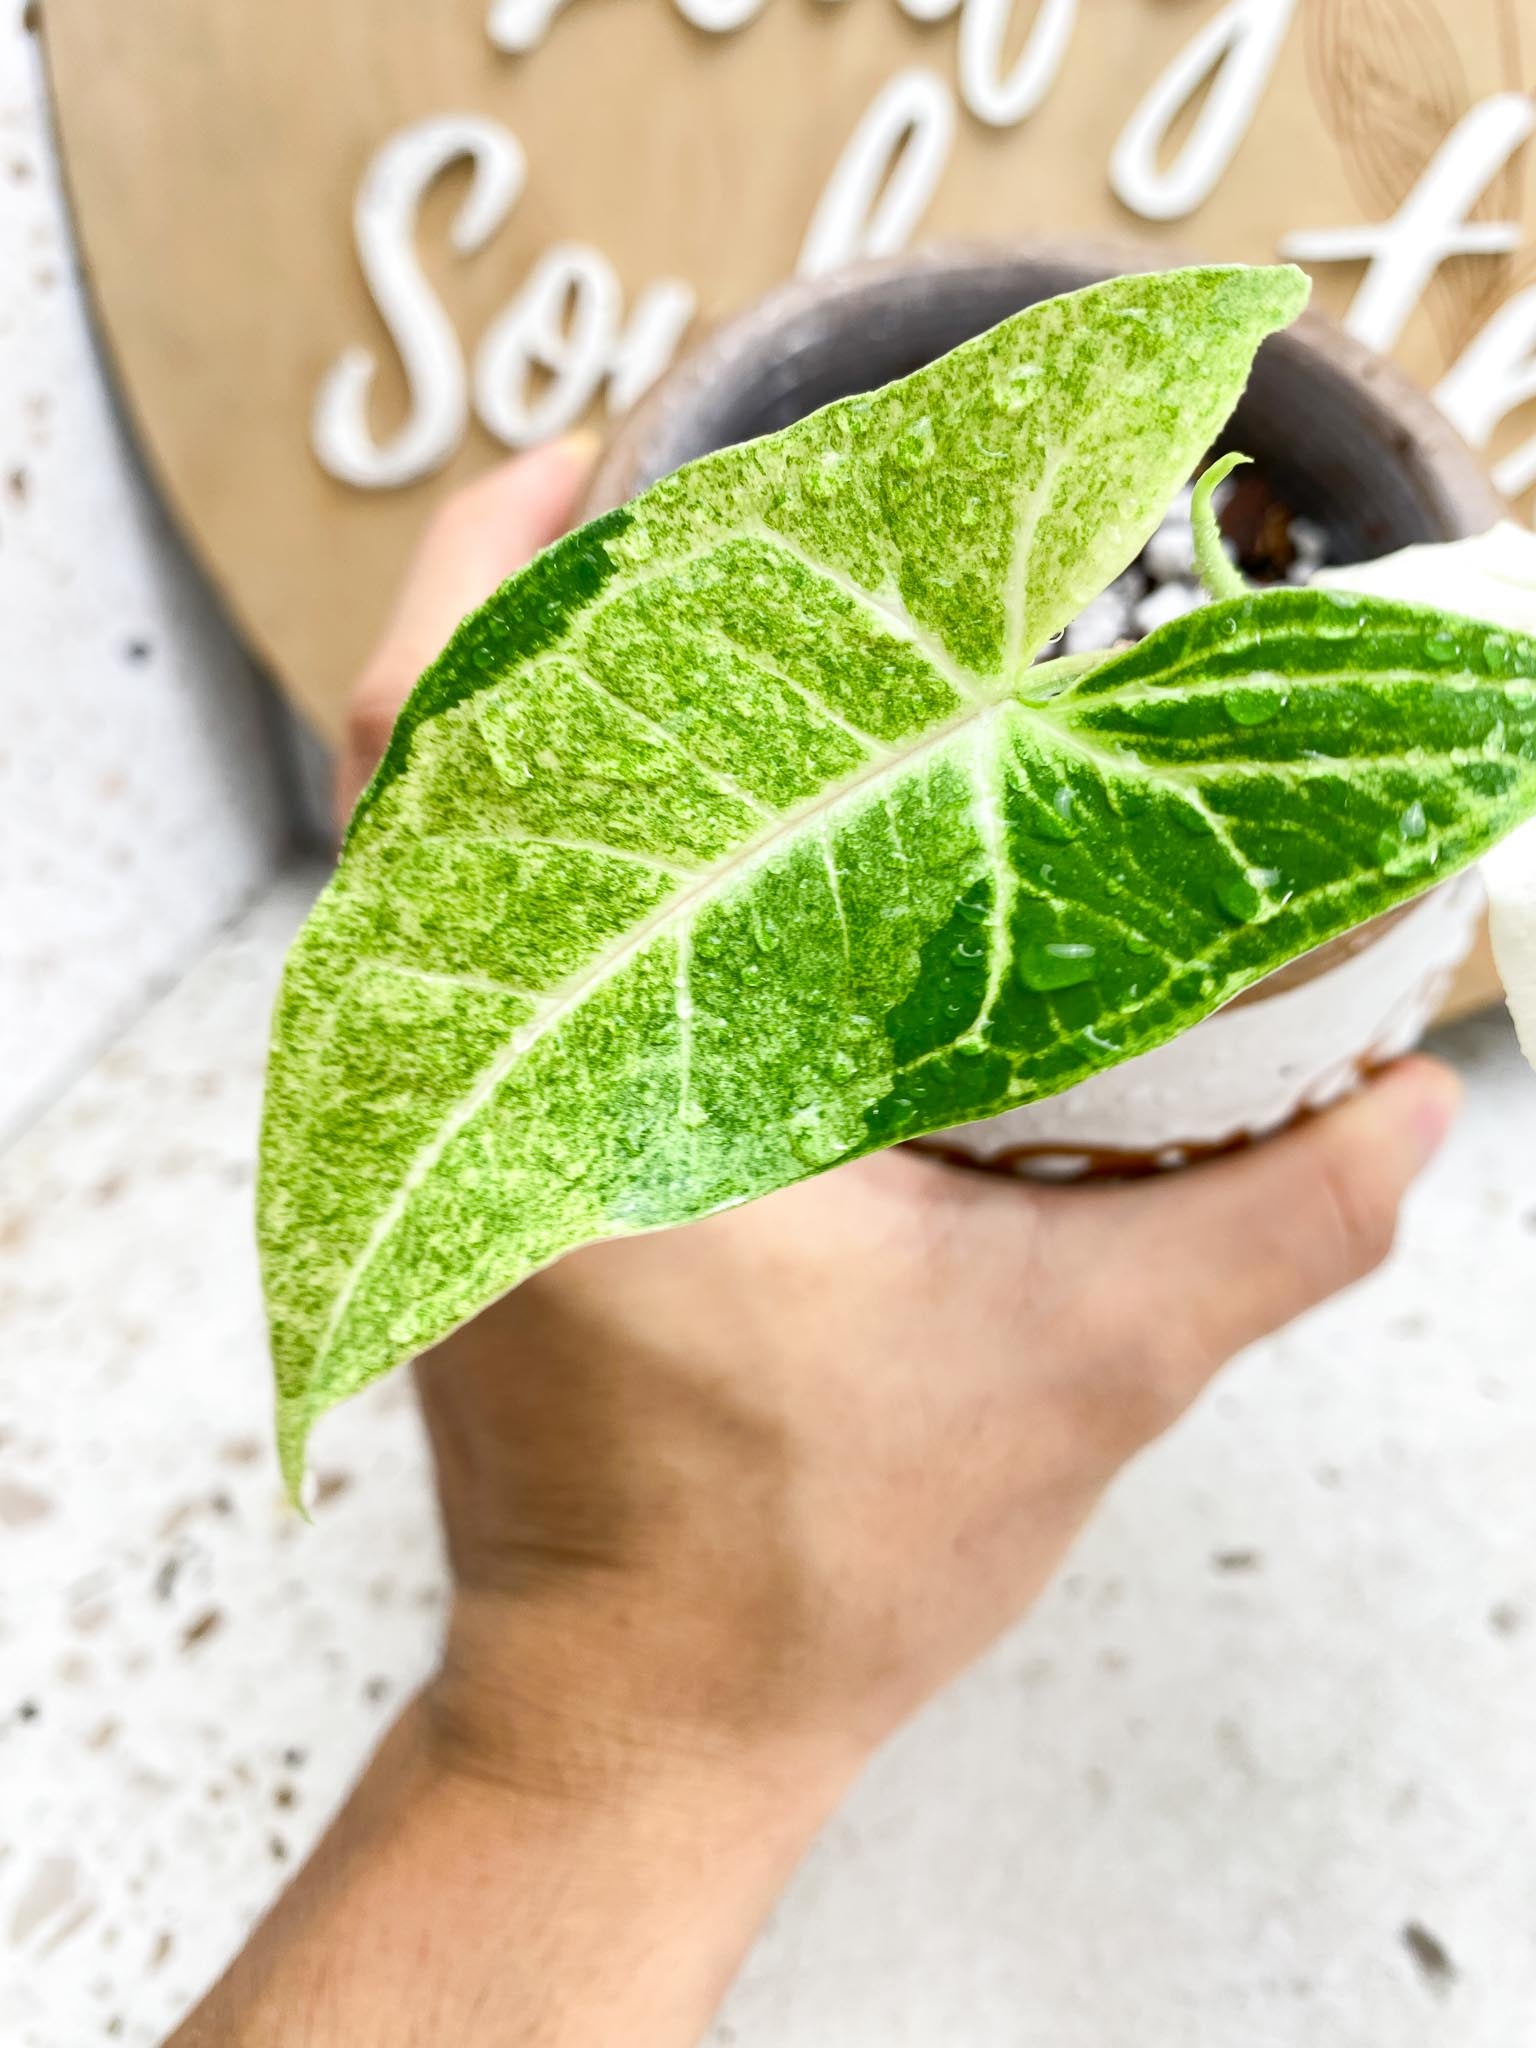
{"x": 1346, "y": 440}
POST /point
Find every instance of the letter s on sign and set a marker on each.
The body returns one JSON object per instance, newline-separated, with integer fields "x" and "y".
{"x": 384, "y": 223}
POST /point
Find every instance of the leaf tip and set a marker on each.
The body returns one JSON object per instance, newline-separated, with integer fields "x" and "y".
{"x": 1290, "y": 289}
{"x": 1298, "y": 281}
{"x": 294, "y": 1420}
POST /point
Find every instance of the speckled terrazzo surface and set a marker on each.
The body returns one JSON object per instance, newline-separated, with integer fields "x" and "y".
{"x": 1261, "y": 1769}
{"x": 138, "y": 805}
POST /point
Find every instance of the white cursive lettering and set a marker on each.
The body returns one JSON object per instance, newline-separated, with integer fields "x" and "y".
{"x": 1495, "y": 377}
{"x": 518, "y": 26}
{"x": 1431, "y": 225}
{"x": 662, "y": 315}
{"x": 1236, "y": 52}
{"x": 384, "y": 218}
{"x": 1004, "y": 102}
{"x": 720, "y": 17}
{"x": 885, "y": 176}
{"x": 553, "y": 348}
{"x": 563, "y": 322}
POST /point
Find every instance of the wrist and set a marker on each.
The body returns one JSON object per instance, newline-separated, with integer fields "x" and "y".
{"x": 566, "y": 1697}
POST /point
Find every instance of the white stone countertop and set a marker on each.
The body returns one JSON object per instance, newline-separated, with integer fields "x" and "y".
{"x": 1260, "y": 1771}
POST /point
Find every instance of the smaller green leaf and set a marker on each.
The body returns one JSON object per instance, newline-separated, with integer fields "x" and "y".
{"x": 1491, "y": 578}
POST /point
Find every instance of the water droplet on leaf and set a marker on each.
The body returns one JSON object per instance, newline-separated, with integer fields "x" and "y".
{"x": 1252, "y": 707}
{"x": 1443, "y": 649}
{"x": 814, "y": 1136}
{"x": 1020, "y": 395}
{"x": 1156, "y": 715}
{"x": 1194, "y": 985}
{"x": 1414, "y": 823}
{"x": 1044, "y": 969}
{"x": 915, "y": 448}
{"x": 1239, "y": 899}
{"x": 1057, "y": 819}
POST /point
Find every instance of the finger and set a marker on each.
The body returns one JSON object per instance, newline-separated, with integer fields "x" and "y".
{"x": 475, "y": 541}
{"x": 1208, "y": 1261}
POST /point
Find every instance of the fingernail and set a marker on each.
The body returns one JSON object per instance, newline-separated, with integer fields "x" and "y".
{"x": 582, "y": 444}
{"x": 1437, "y": 1100}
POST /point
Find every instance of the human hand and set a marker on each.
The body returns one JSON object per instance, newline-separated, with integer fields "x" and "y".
{"x": 726, "y": 1503}
{"x": 766, "y": 1482}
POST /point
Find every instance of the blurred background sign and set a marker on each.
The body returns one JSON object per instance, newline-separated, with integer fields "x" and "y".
{"x": 346, "y": 251}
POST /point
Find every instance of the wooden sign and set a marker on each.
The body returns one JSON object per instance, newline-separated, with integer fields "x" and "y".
{"x": 347, "y": 251}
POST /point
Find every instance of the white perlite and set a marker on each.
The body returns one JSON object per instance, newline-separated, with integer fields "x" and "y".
{"x": 1161, "y": 584}
{"x": 1169, "y": 601}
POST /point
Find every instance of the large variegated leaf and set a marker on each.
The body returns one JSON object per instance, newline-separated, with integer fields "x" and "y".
{"x": 737, "y": 836}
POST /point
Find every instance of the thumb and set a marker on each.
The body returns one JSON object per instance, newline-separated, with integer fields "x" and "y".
{"x": 1224, "y": 1254}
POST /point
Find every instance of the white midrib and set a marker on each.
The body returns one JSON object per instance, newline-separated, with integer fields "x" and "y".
{"x": 578, "y": 987}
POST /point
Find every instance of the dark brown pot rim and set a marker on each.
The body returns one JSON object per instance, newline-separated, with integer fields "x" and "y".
{"x": 1419, "y": 434}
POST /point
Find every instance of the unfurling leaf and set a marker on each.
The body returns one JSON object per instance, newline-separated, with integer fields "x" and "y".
{"x": 1221, "y": 577}
{"x": 739, "y": 836}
